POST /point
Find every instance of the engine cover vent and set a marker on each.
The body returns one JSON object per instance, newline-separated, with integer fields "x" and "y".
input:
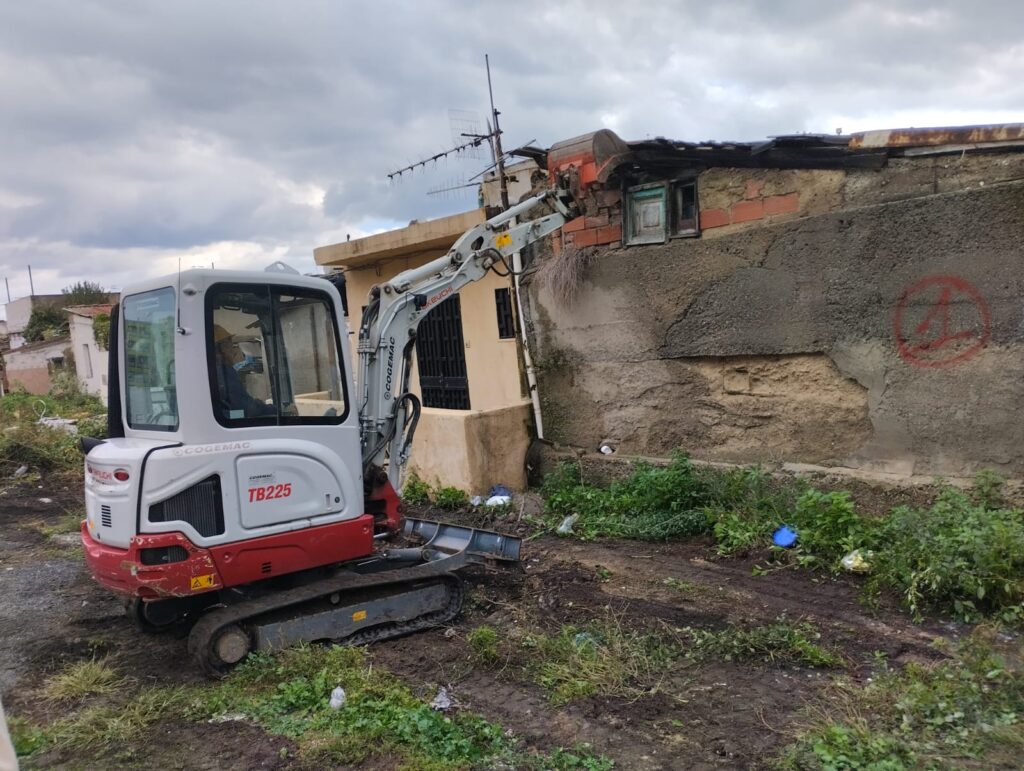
{"x": 105, "y": 517}
{"x": 200, "y": 505}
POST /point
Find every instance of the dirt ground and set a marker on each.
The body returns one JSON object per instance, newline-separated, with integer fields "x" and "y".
{"x": 718, "y": 715}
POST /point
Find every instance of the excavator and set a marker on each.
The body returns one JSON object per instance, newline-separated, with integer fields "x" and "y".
{"x": 247, "y": 489}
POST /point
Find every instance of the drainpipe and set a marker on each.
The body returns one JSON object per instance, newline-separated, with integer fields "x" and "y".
{"x": 531, "y": 375}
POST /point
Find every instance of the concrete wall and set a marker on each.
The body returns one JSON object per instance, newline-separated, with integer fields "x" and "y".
{"x": 866, "y": 319}
{"x": 90, "y": 359}
{"x": 29, "y": 366}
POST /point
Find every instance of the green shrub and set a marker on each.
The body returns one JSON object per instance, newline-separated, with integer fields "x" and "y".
{"x": 450, "y": 498}
{"x": 652, "y": 504}
{"x": 957, "y": 555}
{"x": 416, "y": 492}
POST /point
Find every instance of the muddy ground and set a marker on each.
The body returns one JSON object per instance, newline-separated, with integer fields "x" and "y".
{"x": 716, "y": 715}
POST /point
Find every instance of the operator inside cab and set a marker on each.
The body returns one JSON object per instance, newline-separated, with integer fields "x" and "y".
{"x": 234, "y": 400}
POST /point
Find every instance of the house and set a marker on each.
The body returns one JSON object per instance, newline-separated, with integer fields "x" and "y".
{"x": 851, "y": 301}
{"x": 88, "y": 326}
{"x": 476, "y": 420}
{"x": 20, "y": 311}
{"x": 31, "y": 365}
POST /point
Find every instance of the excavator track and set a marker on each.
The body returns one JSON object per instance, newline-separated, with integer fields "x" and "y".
{"x": 351, "y": 607}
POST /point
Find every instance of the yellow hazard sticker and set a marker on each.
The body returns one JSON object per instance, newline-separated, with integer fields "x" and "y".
{"x": 202, "y": 582}
{"x": 359, "y": 615}
{"x": 503, "y": 240}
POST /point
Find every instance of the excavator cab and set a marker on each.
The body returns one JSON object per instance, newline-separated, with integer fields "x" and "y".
{"x": 234, "y": 452}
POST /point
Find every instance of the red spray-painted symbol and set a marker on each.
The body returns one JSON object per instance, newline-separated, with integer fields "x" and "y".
{"x": 941, "y": 321}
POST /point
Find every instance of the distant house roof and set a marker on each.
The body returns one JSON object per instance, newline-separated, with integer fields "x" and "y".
{"x": 90, "y": 311}
{"x": 57, "y": 343}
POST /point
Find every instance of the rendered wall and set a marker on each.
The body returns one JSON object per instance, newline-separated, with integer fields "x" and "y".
{"x": 866, "y": 319}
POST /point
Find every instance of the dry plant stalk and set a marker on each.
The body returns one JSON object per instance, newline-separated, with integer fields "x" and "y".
{"x": 563, "y": 273}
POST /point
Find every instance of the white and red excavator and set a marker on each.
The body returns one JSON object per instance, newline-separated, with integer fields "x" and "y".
{"x": 248, "y": 484}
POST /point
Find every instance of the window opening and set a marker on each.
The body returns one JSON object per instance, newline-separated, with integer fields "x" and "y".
{"x": 274, "y": 356}
{"x": 506, "y": 321}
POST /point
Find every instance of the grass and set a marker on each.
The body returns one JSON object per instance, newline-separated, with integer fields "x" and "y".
{"x": 83, "y": 678}
{"x": 779, "y": 642}
{"x": 484, "y": 643}
{"x": 601, "y": 658}
{"x": 964, "y": 711}
{"x": 69, "y": 522}
{"x": 25, "y": 442}
{"x": 288, "y": 694}
{"x": 115, "y": 727}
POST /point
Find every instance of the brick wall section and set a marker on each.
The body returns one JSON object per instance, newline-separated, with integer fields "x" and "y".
{"x": 601, "y": 223}
{"x": 752, "y": 207}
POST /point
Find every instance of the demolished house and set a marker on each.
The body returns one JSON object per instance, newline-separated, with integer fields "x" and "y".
{"x": 839, "y": 300}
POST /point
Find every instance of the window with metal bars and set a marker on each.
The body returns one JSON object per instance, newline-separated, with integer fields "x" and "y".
{"x": 441, "y": 357}
{"x": 503, "y": 305}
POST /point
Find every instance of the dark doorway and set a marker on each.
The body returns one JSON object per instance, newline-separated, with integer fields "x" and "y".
{"x": 441, "y": 357}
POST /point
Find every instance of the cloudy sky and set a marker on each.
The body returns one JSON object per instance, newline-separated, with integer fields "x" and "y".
{"x": 134, "y": 133}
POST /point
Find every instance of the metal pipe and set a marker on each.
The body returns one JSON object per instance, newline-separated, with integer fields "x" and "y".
{"x": 531, "y": 374}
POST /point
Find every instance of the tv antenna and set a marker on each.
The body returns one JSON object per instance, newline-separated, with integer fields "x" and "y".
{"x": 473, "y": 141}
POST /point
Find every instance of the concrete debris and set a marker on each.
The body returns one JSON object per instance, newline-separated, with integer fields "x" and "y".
{"x": 498, "y": 500}
{"x": 22, "y": 470}
{"x": 46, "y": 500}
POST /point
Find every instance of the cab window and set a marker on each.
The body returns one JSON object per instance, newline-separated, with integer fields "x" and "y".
{"x": 274, "y": 356}
{"x": 151, "y": 402}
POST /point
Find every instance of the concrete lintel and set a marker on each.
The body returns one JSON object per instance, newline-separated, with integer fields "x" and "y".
{"x": 437, "y": 234}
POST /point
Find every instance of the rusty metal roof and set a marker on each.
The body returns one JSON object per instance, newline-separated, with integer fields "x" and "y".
{"x": 992, "y": 134}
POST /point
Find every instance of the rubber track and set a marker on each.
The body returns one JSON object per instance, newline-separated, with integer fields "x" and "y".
{"x": 207, "y": 627}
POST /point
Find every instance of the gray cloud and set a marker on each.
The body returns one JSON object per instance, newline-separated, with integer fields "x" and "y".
{"x": 137, "y": 132}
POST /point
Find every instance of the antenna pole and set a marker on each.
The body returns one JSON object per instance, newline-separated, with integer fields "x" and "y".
{"x": 31, "y": 286}
{"x": 7, "y": 283}
{"x": 498, "y": 155}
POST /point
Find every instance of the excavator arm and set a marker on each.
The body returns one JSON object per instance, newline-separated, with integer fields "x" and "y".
{"x": 388, "y": 411}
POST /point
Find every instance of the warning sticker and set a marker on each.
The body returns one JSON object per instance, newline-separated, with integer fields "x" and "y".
{"x": 202, "y": 582}
{"x": 359, "y": 615}
{"x": 503, "y": 240}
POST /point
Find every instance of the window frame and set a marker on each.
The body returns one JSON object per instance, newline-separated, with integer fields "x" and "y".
{"x": 273, "y": 291}
{"x": 670, "y": 211}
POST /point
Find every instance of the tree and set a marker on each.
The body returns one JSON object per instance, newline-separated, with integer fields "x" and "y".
{"x": 84, "y": 293}
{"x": 45, "y": 323}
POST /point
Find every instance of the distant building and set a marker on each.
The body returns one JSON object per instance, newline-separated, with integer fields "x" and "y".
{"x": 31, "y": 366}
{"x": 20, "y": 311}
{"x": 90, "y": 354}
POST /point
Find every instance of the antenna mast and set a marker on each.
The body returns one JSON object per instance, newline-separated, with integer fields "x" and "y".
{"x": 492, "y": 137}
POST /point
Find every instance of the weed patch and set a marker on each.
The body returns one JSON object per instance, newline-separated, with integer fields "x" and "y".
{"x": 83, "y": 678}
{"x": 289, "y": 693}
{"x": 416, "y": 491}
{"x": 484, "y": 642}
{"x": 959, "y": 556}
{"x": 968, "y": 708}
{"x": 600, "y": 658}
{"x": 450, "y": 498}
{"x": 781, "y": 641}
{"x": 113, "y": 727}
{"x": 653, "y": 504}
